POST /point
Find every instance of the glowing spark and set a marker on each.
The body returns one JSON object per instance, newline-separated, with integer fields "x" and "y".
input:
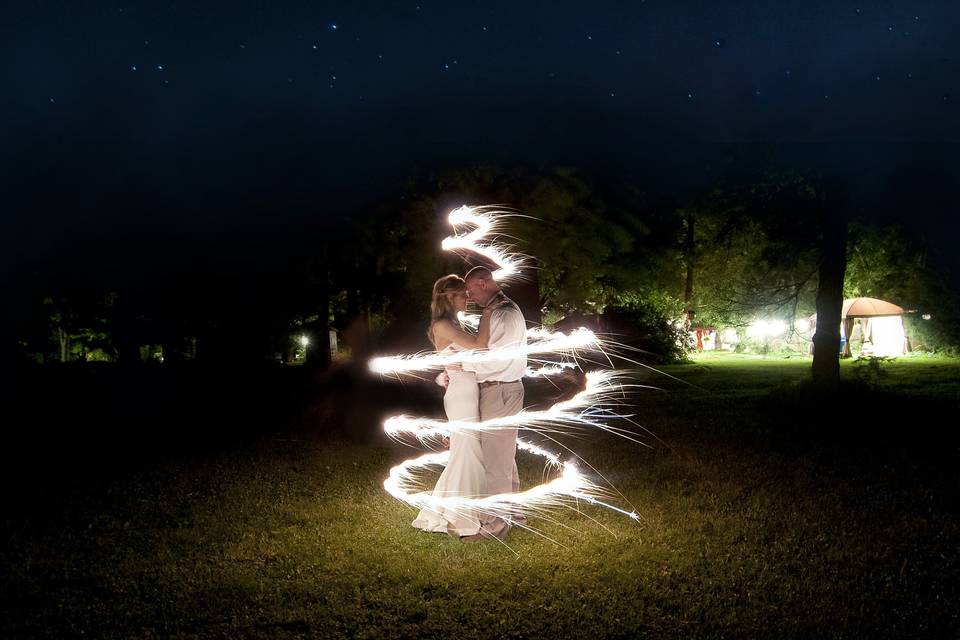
{"x": 552, "y": 369}
{"x": 588, "y": 409}
{"x": 569, "y": 486}
{"x": 485, "y": 222}
{"x": 538, "y": 341}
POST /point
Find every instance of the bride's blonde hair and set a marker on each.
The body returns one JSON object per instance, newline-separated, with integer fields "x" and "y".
{"x": 441, "y": 305}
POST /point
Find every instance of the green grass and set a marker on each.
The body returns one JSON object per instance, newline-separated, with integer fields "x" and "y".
{"x": 743, "y": 533}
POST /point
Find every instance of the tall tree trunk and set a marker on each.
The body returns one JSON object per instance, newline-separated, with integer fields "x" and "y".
{"x": 833, "y": 265}
{"x": 318, "y": 353}
{"x": 689, "y": 248}
{"x": 357, "y": 330}
{"x": 64, "y": 343}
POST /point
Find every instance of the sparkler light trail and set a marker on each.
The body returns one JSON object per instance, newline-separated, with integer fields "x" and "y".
{"x": 487, "y": 221}
{"x": 538, "y": 341}
{"x": 589, "y": 409}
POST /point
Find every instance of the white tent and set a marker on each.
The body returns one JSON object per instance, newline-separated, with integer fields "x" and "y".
{"x": 881, "y": 325}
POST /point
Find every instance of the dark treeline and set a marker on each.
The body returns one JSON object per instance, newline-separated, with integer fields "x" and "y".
{"x": 754, "y": 243}
{"x": 149, "y": 338}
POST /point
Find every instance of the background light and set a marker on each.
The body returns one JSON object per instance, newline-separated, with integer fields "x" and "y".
{"x": 766, "y": 328}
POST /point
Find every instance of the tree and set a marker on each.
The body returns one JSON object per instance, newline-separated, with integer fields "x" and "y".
{"x": 752, "y": 249}
{"x": 587, "y": 250}
{"x": 889, "y": 262}
{"x": 767, "y": 240}
{"x": 832, "y": 265}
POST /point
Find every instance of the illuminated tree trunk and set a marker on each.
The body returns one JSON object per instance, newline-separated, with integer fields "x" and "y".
{"x": 689, "y": 248}
{"x": 318, "y": 353}
{"x": 64, "y": 343}
{"x": 357, "y": 331}
{"x": 833, "y": 264}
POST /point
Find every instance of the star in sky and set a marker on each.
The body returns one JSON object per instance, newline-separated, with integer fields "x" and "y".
{"x": 491, "y": 58}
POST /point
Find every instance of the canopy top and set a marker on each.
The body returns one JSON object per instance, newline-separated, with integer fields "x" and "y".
{"x": 869, "y": 308}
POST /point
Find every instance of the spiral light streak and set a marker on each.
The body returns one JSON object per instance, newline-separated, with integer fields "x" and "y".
{"x": 569, "y": 486}
{"x": 583, "y": 410}
{"x": 549, "y": 369}
{"x": 486, "y": 221}
{"x": 543, "y": 341}
{"x": 587, "y": 410}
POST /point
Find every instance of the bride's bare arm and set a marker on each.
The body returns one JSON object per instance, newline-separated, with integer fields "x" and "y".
{"x": 454, "y": 333}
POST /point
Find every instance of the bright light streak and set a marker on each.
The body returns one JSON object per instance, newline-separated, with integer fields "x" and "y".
{"x": 551, "y": 369}
{"x": 587, "y": 410}
{"x": 304, "y": 341}
{"x": 566, "y": 489}
{"x": 582, "y": 410}
{"x": 538, "y": 341}
{"x": 486, "y": 222}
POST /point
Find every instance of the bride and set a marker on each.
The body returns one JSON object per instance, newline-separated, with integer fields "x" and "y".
{"x": 464, "y": 473}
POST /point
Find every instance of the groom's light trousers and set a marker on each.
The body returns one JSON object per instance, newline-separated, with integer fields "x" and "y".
{"x": 498, "y": 400}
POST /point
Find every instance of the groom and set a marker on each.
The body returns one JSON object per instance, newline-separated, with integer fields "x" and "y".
{"x": 501, "y": 395}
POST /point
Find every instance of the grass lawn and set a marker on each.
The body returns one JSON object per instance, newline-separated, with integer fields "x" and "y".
{"x": 767, "y": 510}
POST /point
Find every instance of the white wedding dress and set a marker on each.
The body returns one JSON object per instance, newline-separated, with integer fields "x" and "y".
{"x": 464, "y": 474}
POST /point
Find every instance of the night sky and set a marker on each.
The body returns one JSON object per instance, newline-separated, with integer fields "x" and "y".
{"x": 207, "y": 117}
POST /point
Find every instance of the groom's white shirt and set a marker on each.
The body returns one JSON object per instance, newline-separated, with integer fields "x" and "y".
{"x": 507, "y": 329}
